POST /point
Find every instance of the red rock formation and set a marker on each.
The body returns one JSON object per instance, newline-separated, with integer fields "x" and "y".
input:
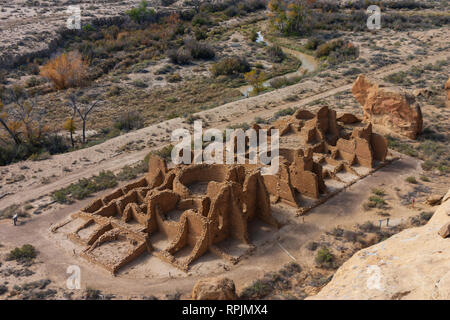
{"x": 393, "y": 109}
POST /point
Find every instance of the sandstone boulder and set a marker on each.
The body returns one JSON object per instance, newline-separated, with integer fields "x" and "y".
{"x": 391, "y": 108}
{"x": 413, "y": 264}
{"x": 444, "y": 232}
{"x": 434, "y": 200}
{"x": 214, "y": 289}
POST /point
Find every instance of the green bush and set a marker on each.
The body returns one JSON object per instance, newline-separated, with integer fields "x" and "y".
{"x": 165, "y": 153}
{"x": 141, "y": 13}
{"x": 411, "y": 180}
{"x": 86, "y": 187}
{"x": 276, "y": 54}
{"x": 336, "y": 51}
{"x": 230, "y": 66}
{"x": 324, "y": 257}
{"x": 25, "y": 253}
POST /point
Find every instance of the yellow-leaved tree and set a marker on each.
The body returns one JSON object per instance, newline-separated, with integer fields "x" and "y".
{"x": 66, "y": 70}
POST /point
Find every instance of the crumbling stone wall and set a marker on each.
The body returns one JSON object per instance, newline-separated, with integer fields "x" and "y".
{"x": 166, "y": 202}
{"x": 194, "y": 208}
{"x": 320, "y": 140}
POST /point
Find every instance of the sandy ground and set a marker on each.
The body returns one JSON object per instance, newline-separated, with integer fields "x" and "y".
{"x": 149, "y": 276}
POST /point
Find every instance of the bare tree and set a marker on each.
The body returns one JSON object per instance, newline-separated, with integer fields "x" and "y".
{"x": 23, "y": 116}
{"x": 82, "y": 111}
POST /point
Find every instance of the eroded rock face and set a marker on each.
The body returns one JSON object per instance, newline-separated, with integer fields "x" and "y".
{"x": 413, "y": 264}
{"x": 390, "y": 108}
{"x": 214, "y": 289}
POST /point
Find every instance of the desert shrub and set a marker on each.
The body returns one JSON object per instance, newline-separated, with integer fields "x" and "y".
{"x": 336, "y": 51}
{"x": 130, "y": 120}
{"x": 40, "y": 156}
{"x": 426, "y": 216}
{"x": 92, "y": 294}
{"x": 181, "y": 56}
{"x": 368, "y": 226}
{"x": 281, "y": 82}
{"x": 378, "y": 192}
{"x": 201, "y": 19}
{"x": 23, "y": 254}
{"x": 165, "y": 152}
{"x": 141, "y": 13}
{"x": 337, "y": 232}
{"x": 312, "y": 246}
{"x": 230, "y": 65}
{"x": 400, "y": 77}
{"x": 313, "y": 43}
{"x": 412, "y": 180}
{"x": 199, "y": 50}
{"x": 66, "y": 71}
{"x": 176, "y": 77}
{"x": 140, "y": 84}
{"x": 324, "y": 257}
{"x": 377, "y": 202}
{"x": 253, "y": 35}
{"x": 231, "y": 11}
{"x": 275, "y": 53}
{"x": 86, "y": 187}
{"x": 403, "y": 147}
{"x": 350, "y": 235}
{"x": 282, "y": 113}
{"x": 10, "y": 211}
{"x": 132, "y": 172}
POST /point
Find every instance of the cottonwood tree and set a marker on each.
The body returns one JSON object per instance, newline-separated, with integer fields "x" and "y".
{"x": 82, "y": 110}
{"x": 23, "y": 120}
{"x": 70, "y": 126}
{"x": 7, "y": 125}
{"x": 291, "y": 16}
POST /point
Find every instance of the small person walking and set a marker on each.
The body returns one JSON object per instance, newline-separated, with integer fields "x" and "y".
{"x": 15, "y": 217}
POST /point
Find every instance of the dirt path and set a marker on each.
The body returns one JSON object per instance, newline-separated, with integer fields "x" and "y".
{"x": 91, "y": 161}
{"x": 280, "y": 247}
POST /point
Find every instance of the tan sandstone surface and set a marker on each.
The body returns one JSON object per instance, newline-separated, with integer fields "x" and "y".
{"x": 414, "y": 264}
{"x": 388, "y": 107}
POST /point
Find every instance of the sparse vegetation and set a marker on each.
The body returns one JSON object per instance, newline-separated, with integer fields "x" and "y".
{"x": 230, "y": 66}
{"x": 324, "y": 258}
{"x": 24, "y": 254}
{"x": 412, "y": 180}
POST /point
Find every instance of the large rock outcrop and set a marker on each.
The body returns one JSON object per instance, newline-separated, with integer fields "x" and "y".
{"x": 214, "y": 289}
{"x": 414, "y": 264}
{"x": 388, "y": 107}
